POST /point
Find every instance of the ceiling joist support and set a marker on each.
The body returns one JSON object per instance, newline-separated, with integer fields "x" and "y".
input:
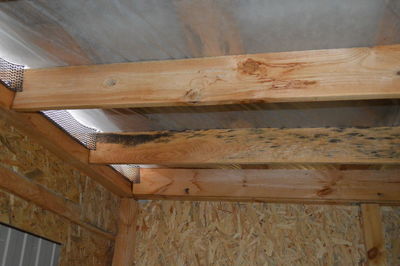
{"x": 271, "y": 185}
{"x": 319, "y": 75}
{"x": 380, "y": 145}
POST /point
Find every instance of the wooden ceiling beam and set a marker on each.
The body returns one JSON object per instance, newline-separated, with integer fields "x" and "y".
{"x": 267, "y": 185}
{"x": 380, "y": 145}
{"x": 44, "y": 132}
{"x": 6, "y": 97}
{"x": 319, "y": 75}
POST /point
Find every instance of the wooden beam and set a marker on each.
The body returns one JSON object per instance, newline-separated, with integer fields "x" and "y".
{"x": 298, "y": 186}
{"x": 124, "y": 250}
{"x": 251, "y": 146}
{"x": 30, "y": 191}
{"x": 322, "y": 75}
{"x": 373, "y": 234}
{"x": 6, "y": 97}
{"x": 41, "y": 130}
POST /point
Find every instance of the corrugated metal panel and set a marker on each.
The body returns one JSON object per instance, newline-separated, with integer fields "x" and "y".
{"x": 18, "y": 248}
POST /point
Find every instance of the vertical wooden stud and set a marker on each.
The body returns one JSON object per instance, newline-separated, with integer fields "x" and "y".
{"x": 373, "y": 234}
{"x": 125, "y": 240}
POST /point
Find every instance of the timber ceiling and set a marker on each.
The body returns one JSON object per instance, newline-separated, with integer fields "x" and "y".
{"x": 59, "y": 33}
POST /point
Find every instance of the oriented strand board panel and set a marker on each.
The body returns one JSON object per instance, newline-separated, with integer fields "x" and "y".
{"x": 223, "y": 233}
{"x": 391, "y": 227}
{"x": 80, "y": 247}
{"x": 41, "y": 166}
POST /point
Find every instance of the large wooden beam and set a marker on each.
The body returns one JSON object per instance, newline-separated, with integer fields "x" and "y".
{"x": 41, "y": 130}
{"x": 251, "y": 146}
{"x": 28, "y": 190}
{"x": 374, "y": 238}
{"x": 323, "y": 75}
{"x": 124, "y": 249}
{"x": 300, "y": 186}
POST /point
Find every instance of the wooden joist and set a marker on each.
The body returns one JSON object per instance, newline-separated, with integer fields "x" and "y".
{"x": 30, "y": 191}
{"x": 251, "y": 146}
{"x": 321, "y": 75}
{"x": 6, "y": 97}
{"x": 374, "y": 238}
{"x": 62, "y": 145}
{"x": 299, "y": 186}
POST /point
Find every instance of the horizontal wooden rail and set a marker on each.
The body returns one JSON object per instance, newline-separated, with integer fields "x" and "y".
{"x": 41, "y": 130}
{"x": 379, "y": 145}
{"x": 322, "y": 75}
{"x": 301, "y": 186}
{"x": 28, "y": 190}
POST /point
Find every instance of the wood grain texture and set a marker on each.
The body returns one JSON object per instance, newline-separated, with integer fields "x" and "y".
{"x": 6, "y": 97}
{"x": 373, "y": 234}
{"x": 251, "y": 146}
{"x": 57, "y": 141}
{"x": 301, "y": 186}
{"x": 124, "y": 250}
{"x": 42, "y": 197}
{"x": 319, "y": 75}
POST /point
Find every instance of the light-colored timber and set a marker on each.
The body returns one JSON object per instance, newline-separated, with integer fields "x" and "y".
{"x": 374, "y": 238}
{"x": 124, "y": 250}
{"x": 6, "y": 97}
{"x": 280, "y": 185}
{"x": 319, "y": 75}
{"x": 379, "y": 145}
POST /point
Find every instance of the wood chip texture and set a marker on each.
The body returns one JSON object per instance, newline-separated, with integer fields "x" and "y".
{"x": 226, "y": 233}
{"x": 99, "y": 206}
{"x": 391, "y": 227}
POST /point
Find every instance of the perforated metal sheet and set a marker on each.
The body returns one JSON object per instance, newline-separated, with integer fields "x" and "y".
{"x": 11, "y": 75}
{"x": 131, "y": 171}
{"x": 85, "y": 135}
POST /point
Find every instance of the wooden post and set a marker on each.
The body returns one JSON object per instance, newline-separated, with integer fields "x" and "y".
{"x": 125, "y": 240}
{"x": 373, "y": 234}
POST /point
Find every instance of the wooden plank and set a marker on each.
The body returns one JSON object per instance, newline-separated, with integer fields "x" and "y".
{"x": 320, "y": 75}
{"x": 251, "y": 146}
{"x": 30, "y": 191}
{"x": 373, "y": 234}
{"x": 282, "y": 185}
{"x": 6, "y": 97}
{"x": 62, "y": 145}
{"x": 124, "y": 250}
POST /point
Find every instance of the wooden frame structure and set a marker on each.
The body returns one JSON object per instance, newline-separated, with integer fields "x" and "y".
{"x": 326, "y": 75}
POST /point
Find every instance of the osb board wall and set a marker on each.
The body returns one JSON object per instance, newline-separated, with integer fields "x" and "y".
{"x": 79, "y": 246}
{"x": 391, "y": 225}
{"x": 225, "y": 233}
{"x": 24, "y": 156}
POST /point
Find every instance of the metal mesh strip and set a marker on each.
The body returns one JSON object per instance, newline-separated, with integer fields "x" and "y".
{"x": 11, "y": 75}
{"x": 87, "y": 137}
{"x": 83, "y": 134}
{"x": 131, "y": 171}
